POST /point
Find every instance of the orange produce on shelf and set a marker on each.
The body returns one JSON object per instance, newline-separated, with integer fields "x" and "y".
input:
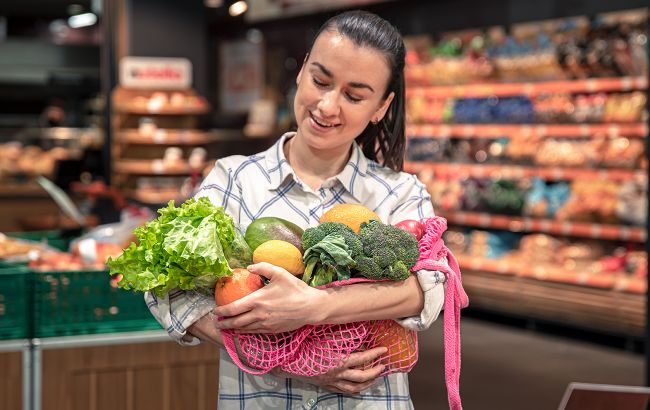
{"x": 240, "y": 284}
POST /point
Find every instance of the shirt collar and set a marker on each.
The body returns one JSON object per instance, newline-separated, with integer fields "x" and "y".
{"x": 279, "y": 170}
{"x": 277, "y": 166}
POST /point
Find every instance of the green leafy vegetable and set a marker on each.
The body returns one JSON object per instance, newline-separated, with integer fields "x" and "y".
{"x": 388, "y": 252}
{"x": 331, "y": 248}
{"x": 183, "y": 248}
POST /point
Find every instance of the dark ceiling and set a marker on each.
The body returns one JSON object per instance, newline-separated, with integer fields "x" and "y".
{"x": 54, "y": 8}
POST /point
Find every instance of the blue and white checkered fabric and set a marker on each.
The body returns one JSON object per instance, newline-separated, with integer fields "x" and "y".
{"x": 265, "y": 185}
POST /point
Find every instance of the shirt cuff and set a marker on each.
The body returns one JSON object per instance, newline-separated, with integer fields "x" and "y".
{"x": 178, "y": 310}
{"x": 433, "y": 286}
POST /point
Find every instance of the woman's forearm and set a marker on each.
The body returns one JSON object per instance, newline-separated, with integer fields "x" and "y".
{"x": 369, "y": 301}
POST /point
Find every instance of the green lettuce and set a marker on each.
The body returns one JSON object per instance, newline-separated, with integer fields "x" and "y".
{"x": 183, "y": 248}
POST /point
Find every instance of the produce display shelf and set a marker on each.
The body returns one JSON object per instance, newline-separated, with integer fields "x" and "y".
{"x": 568, "y": 228}
{"x": 517, "y": 172}
{"x": 585, "y": 307}
{"x": 614, "y": 281}
{"x": 591, "y": 85}
{"x": 152, "y": 197}
{"x": 15, "y": 289}
{"x": 68, "y": 303}
{"x": 639, "y": 130}
{"x": 138, "y": 110}
{"x": 151, "y": 167}
{"x": 165, "y": 137}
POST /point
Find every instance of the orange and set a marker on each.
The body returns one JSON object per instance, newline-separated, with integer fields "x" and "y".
{"x": 240, "y": 284}
{"x": 280, "y": 253}
{"x": 352, "y": 215}
{"x": 401, "y": 344}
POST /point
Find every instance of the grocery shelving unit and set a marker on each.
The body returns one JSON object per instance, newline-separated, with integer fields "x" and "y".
{"x": 138, "y": 150}
{"x": 606, "y": 302}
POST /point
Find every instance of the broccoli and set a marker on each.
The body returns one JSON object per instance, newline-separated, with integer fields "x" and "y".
{"x": 330, "y": 249}
{"x": 388, "y": 252}
{"x": 312, "y": 236}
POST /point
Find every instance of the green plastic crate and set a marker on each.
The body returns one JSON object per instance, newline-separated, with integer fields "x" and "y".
{"x": 15, "y": 292}
{"x": 53, "y": 238}
{"x": 84, "y": 302}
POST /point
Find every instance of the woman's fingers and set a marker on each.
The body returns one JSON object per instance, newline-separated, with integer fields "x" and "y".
{"x": 361, "y": 358}
{"x": 361, "y": 376}
{"x": 346, "y": 387}
{"x": 237, "y": 322}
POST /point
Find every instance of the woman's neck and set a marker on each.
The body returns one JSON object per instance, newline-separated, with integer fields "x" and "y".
{"x": 314, "y": 167}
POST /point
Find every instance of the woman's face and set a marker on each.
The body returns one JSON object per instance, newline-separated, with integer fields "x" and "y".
{"x": 340, "y": 90}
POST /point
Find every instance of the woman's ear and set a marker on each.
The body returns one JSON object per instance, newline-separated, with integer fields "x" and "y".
{"x": 298, "y": 77}
{"x": 381, "y": 112}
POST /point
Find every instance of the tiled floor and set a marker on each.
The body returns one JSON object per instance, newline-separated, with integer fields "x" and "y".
{"x": 506, "y": 368}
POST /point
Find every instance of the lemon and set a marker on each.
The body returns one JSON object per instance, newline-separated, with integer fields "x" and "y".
{"x": 280, "y": 253}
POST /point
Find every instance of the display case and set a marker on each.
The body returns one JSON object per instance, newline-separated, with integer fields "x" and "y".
{"x": 531, "y": 141}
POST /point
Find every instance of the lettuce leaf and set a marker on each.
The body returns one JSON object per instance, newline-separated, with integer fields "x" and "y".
{"x": 183, "y": 248}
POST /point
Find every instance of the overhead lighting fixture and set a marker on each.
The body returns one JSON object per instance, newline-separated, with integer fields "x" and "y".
{"x": 238, "y": 8}
{"x": 82, "y": 20}
{"x": 213, "y": 3}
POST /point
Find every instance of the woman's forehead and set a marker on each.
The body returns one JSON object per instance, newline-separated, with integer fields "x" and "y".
{"x": 338, "y": 53}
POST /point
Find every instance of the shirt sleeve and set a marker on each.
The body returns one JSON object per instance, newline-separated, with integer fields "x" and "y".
{"x": 178, "y": 310}
{"x": 415, "y": 203}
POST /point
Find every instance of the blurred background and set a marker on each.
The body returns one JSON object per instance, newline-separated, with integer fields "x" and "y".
{"x": 527, "y": 121}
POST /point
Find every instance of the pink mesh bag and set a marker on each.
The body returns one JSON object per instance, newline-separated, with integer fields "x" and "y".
{"x": 316, "y": 349}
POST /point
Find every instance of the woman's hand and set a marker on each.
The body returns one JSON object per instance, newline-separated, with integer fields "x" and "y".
{"x": 285, "y": 304}
{"x": 205, "y": 330}
{"x": 346, "y": 379}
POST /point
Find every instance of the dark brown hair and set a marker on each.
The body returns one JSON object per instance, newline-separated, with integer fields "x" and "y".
{"x": 384, "y": 142}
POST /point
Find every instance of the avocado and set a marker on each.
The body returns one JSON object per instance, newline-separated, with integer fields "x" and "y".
{"x": 267, "y": 227}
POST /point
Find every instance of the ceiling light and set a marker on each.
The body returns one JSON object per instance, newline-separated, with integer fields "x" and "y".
{"x": 237, "y": 8}
{"x": 82, "y": 20}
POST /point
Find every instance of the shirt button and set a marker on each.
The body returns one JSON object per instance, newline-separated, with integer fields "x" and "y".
{"x": 311, "y": 402}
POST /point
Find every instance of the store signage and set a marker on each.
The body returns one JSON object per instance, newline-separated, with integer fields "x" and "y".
{"x": 241, "y": 69}
{"x": 155, "y": 73}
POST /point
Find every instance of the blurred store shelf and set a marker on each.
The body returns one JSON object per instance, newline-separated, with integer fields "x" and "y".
{"x": 590, "y": 85}
{"x": 525, "y": 130}
{"x": 517, "y": 172}
{"x": 523, "y": 224}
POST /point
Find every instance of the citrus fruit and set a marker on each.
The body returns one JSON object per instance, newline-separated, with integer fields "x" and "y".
{"x": 352, "y": 215}
{"x": 280, "y": 253}
{"x": 401, "y": 344}
{"x": 231, "y": 288}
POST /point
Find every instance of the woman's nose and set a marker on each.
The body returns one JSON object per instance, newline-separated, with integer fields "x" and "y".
{"x": 329, "y": 105}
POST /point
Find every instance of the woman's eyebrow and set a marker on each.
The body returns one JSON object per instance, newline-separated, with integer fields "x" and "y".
{"x": 329, "y": 74}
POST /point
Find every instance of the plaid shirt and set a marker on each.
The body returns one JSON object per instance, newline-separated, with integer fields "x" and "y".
{"x": 265, "y": 185}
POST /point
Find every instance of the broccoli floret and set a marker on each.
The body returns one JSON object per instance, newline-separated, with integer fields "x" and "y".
{"x": 312, "y": 236}
{"x": 388, "y": 252}
{"x": 330, "y": 249}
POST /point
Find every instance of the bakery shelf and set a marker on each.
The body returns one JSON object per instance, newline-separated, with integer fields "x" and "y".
{"x": 524, "y": 224}
{"x": 165, "y": 137}
{"x": 517, "y": 172}
{"x": 151, "y": 167}
{"x": 525, "y": 130}
{"x": 591, "y": 85}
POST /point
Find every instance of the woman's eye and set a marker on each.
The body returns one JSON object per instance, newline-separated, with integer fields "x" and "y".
{"x": 318, "y": 82}
{"x": 353, "y": 98}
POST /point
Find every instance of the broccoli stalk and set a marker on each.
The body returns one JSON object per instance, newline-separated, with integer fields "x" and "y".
{"x": 330, "y": 251}
{"x": 388, "y": 252}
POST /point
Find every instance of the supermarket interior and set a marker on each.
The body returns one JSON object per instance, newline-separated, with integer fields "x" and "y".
{"x": 526, "y": 123}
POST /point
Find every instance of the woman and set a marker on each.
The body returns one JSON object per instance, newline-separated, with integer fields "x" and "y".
{"x": 349, "y": 107}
